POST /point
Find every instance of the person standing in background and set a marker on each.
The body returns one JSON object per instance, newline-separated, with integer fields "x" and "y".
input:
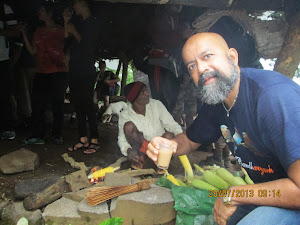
{"x": 49, "y": 83}
{"x": 82, "y": 38}
{"x": 6, "y": 81}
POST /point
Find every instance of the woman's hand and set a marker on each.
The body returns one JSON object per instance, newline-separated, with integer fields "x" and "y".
{"x": 70, "y": 28}
{"x": 22, "y": 28}
{"x": 67, "y": 14}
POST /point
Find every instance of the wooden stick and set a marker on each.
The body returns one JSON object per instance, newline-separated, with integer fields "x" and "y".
{"x": 101, "y": 194}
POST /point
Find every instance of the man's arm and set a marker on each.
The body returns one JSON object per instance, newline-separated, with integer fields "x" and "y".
{"x": 180, "y": 143}
{"x": 184, "y": 144}
{"x": 263, "y": 194}
{"x": 283, "y": 193}
{"x": 166, "y": 119}
{"x": 122, "y": 142}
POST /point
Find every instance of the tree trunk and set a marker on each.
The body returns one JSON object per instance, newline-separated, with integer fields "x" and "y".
{"x": 289, "y": 56}
{"x": 48, "y": 195}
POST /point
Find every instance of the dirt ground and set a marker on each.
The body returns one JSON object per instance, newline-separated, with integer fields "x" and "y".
{"x": 51, "y": 162}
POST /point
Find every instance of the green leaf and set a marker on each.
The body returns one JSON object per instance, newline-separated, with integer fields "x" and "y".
{"x": 113, "y": 221}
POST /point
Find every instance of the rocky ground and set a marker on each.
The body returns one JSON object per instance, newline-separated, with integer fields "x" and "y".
{"x": 51, "y": 162}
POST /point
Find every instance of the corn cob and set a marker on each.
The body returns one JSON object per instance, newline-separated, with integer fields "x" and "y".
{"x": 212, "y": 178}
{"x": 198, "y": 168}
{"x": 228, "y": 177}
{"x": 181, "y": 183}
{"x": 101, "y": 173}
{"x": 171, "y": 178}
{"x": 241, "y": 180}
{"x": 200, "y": 184}
{"x": 215, "y": 180}
{"x": 187, "y": 167}
{"x": 247, "y": 178}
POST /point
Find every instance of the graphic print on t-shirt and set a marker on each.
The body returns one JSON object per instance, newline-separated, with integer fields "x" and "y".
{"x": 244, "y": 141}
{"x": 236, "y": 139}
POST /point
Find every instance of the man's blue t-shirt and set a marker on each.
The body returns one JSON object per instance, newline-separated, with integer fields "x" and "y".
{"x": 262, "y": 129}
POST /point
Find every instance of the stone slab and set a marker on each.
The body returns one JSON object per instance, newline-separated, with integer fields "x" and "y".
{"x": 19, "y": 161}
{"x": 96, "y": 213}
{"x": 13, "y": 211}
{"x": 64, "y": 211}
{"x": 77, "y": 180}
{"x": 148, "y": 207}
{"x": 117, "y": 179}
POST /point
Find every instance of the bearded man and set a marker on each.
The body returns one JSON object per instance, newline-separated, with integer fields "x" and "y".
{"x": 258, "y": 114}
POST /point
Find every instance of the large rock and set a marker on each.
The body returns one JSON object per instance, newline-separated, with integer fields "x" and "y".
{"x": 66, "y": 211}
{"x": 77, "y": 180}
{"x": 13, "y": 211}
{"x": 62, "y": 211}
{"x": 19, "y": 161}
{"x": 148, "y": 207}
{"x": 117, "y": 179}
{"x": 96, "y": 213}
{"x": 3, "y": 203}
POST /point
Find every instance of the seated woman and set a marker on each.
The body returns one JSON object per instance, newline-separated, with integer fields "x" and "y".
{"x": 142, "y": 120}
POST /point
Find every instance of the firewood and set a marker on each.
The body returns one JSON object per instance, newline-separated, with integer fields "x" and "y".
{"x": 48, "y": 195}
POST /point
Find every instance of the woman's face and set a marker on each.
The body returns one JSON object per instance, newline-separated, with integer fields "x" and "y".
{"x": 67, "y": 13}
{"x": 77, "y": 6}
{"x": 43, "y": 14}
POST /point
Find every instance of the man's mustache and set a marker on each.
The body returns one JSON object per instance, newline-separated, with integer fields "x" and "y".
{"x": 207, "y": 75}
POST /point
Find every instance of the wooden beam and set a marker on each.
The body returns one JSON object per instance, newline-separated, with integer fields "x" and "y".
{"x": 213, "y": 4}
{"x": 276, "y": 5}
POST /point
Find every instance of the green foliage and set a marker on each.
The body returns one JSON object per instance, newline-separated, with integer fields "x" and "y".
{"x": 113, "y": 221}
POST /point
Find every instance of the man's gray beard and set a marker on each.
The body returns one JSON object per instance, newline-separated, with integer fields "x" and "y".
{"x": 216, "y": 92}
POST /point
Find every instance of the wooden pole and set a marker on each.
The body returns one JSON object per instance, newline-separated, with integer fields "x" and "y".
{"x": 124, "y": 75}
{"x": 119, "y": 68}
{"x": 289, "y": 57}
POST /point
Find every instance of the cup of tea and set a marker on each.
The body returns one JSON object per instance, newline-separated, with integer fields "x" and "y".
{"x": 164, "y": 156}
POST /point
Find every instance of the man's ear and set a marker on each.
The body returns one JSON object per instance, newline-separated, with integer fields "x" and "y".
{"x": 234, "y": 55}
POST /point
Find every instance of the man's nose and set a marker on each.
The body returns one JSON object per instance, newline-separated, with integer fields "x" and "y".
{"x": 202, "y": 67}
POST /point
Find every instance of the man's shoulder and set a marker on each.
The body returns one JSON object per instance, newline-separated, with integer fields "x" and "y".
{"x": 155, "y": 102}
{"x": 264, "y": 78}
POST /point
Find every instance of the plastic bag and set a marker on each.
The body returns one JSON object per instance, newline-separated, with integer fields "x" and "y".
{"x": 193, "y": 206}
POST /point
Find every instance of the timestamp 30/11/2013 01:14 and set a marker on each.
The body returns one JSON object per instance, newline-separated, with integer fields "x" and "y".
{"x": 262, "y": 193}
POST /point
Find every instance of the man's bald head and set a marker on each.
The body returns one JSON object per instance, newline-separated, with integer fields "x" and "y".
{"x": 208, "y": 38}
{"x": 212, "y": 65}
